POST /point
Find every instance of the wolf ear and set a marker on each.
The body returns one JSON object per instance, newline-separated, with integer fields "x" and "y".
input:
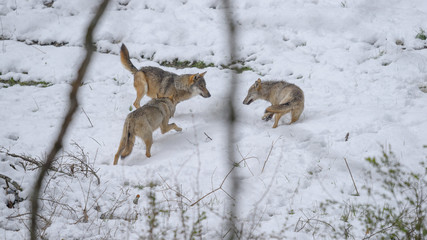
{"x": 202, "y": 74}
{"x": 258, "y": 84}
{"x": 192, "y": 78}
{"x": 172, "y": 99}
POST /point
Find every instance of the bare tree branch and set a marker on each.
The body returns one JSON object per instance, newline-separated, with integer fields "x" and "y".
{"x": 231, "y": 112}
{"x": 68, "y": 118}
{"x": 222, "y": 183}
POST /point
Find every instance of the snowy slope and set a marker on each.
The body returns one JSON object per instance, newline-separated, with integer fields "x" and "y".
{"x": 358, "y": 63}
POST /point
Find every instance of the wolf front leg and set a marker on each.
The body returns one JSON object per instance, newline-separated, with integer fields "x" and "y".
{"x": 166, "y": 127}
{"x": 140, "y": 84}
{"x": 277, "y": 117}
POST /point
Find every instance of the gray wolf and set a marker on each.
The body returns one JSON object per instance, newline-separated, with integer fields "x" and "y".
{"x": 143, "y": 121}
{"x": 284, "y": 97}
{"x": 155, "y": 82}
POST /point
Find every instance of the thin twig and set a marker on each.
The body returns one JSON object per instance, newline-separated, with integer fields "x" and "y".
{"x": 38, "y": 49}
{"x": 36, "y": 105}
{"x": 307, "y": 221}
{"x": 351, "y": 175}
{"x": 268, "y": 156}
{"x": 95, "y": 141}
{"x": 207, "y": 136}
{"x": 68, "y": 118}
{"x": 64, "y": 206}
{"x": 85, "y": 166}
{"x": 398, "y": 218}
{"x": 245, "y": 158}
{"x": 220, "y": 186}
{"x": 87, "y": 117}
{"x": 179, "y": 194}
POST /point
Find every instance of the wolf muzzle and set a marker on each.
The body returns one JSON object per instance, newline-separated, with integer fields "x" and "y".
{"x": 206, "y": 95}
{"x": 247, "y": 102}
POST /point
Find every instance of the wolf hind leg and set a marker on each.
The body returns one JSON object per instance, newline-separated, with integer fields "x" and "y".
{"x": 148, "y": 140}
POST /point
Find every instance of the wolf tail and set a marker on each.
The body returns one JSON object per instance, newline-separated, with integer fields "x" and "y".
{"x": 294, "y": 106}
{"x": 279, "y": 108}
{"x": 126, "y": 142}
{"x": 124, "y": 58}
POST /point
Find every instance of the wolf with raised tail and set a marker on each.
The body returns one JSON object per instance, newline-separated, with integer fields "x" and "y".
{"x": 156, "y": 82}
{"x": 284, "y": 98}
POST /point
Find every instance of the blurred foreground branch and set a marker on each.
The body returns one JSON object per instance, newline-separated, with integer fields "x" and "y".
{"x": 230, "y": 224}
{"x": 68, "y": 117}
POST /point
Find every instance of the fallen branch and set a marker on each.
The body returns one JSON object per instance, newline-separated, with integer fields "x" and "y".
{"x": 68, "y": 169}
{"x": 23, "y": 157}
{"x": 9, "y": 180}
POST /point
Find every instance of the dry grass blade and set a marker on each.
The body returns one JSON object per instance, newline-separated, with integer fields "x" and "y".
{"x": 268, "y": 156}
{"x": 351, "y": 175}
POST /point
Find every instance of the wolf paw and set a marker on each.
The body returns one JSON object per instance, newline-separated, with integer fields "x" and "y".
{"x": 267, "y": 117}
{"x": 178, "y": 129}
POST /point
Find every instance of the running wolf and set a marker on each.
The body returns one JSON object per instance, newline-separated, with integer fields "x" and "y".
{"x": 143, "y": 121}
{"x": 155, "y": 82}
{"x": 284, "y": 97}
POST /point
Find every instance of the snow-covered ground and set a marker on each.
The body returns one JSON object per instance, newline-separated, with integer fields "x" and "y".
{"x": 359, "y": 64}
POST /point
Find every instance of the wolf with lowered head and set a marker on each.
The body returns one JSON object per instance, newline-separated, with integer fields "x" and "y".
{"x": 284, "y": 98}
